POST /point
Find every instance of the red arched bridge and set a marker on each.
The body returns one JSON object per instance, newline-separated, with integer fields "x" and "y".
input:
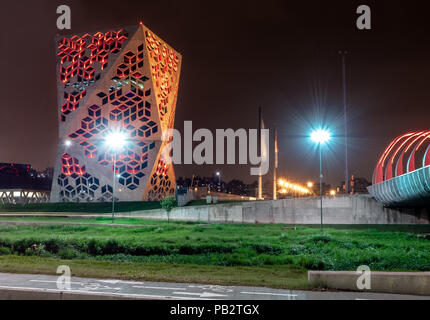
{"x": 402, "y": 175}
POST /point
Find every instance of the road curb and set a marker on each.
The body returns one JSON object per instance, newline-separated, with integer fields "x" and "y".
{"x": 408, "y": 283}
{"x": 8, "y": 293}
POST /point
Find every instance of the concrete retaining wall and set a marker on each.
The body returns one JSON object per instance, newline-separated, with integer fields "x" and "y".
{"x": 339, "y": 210}
{"x": 410, "y": 283}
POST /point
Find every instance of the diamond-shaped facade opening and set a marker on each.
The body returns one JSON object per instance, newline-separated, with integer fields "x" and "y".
{"x": 137, "y": 97}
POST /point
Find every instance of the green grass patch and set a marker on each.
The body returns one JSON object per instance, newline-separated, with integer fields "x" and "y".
{"x": 182, "y": 243}
{"x": 268, "y": 276}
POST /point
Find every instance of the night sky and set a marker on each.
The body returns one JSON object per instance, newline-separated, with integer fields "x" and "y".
{"x": 237, "y": 56}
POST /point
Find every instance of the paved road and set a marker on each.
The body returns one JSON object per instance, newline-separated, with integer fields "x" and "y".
{"x": 181, "y": 291}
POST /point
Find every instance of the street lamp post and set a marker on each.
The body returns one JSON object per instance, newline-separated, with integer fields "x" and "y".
{"x": 219, "y": 181}
{"x": 320, "y": 137}
{"x": 113, "y": 187}
{"x": 321, "y": 186}
{"x": 115, "y": 141}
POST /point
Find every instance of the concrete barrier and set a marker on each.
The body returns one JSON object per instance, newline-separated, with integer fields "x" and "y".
{"x": 52, "y": 294}
{"x": 409, "y": 283}
{"x": 297, "y": 211}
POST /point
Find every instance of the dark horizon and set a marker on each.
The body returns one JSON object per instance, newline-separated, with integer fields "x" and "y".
{"x": 282, "y": 56}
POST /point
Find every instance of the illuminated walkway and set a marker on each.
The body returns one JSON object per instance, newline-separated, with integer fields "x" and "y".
{"x": 402, "y": 175}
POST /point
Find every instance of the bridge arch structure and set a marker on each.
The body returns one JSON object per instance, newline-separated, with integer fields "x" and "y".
{"x": 402, "y": 174}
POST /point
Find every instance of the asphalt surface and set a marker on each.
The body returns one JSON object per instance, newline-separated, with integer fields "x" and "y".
{"x": 120, "y": 289}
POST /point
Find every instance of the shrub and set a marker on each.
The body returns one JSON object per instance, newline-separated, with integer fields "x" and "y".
{"x": 168, "y": 204}
{"x": 52, "y": 245}
{"x": 5, "y": 251}
{"x": 93, "y": 247}
{"x": 111, "y": 247}
{"x": 266, "y": 248}
{"x": 36, "y": 249}
{"x": 198, "y": 229}
{"x": 324, "y": 238}
{"x": 297, "y": 249}
{"x": 311, "y": 263}
{"x": 68, "y": 253}
{"x": 283, "y": 237}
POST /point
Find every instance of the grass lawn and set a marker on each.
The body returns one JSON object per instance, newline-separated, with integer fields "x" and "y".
{"x": 266, "y": 255}
{"x": 268, "y": 276}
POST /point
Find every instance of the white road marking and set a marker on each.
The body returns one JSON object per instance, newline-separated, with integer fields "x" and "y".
{"x": 86, "y": 285}
{"x": 110, "y": 281}
{"x": 271, "y": 294}
{"x": 202, "y": 295}
{"x": 97, "y": 293}
{"x": 158, "y": 288}
{"x": 55, "y": 281}
{"x": 215, "y": 288}
{"x": 123, "y": 281}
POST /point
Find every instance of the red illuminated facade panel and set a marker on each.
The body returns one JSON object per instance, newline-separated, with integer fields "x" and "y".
{"x": 119, "y": 80}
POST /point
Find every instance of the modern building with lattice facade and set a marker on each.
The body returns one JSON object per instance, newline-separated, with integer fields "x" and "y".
{"x": 124, "y": 80}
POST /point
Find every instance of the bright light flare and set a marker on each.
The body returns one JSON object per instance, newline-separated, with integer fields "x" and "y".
{"x": 320, "y": 136}
{"x": 333, "y": 193}
{"x": 290, "y": 187}
{"x": 116, "y": 140}
{"x": 67, "y": 143}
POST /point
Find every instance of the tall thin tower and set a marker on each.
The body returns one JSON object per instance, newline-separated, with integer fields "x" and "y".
{"x": 345, "y": 110}
{"x": 260, "y": 177}
{"x": 275, "y": 167}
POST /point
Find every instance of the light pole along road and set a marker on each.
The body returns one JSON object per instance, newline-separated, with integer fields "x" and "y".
{"x": 115, "y": 141}
{"x": 321, "y": 137}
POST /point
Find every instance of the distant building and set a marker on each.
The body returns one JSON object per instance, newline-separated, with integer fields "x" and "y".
{"x": 213, "y": 184}
{"x": 48, "y": 173}
{"x": 20, "y": 184}
{"x": 357, "y": 185}
{"x": 16, "y": 170}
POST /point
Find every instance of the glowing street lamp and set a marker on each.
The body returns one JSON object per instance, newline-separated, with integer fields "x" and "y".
{"x": 115, "y": 141}
{"x": 67, "y": 143}
{"x": 219, "y": 181}
{"x": 321, "y": 137}
{"x": 295, "y": 189}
